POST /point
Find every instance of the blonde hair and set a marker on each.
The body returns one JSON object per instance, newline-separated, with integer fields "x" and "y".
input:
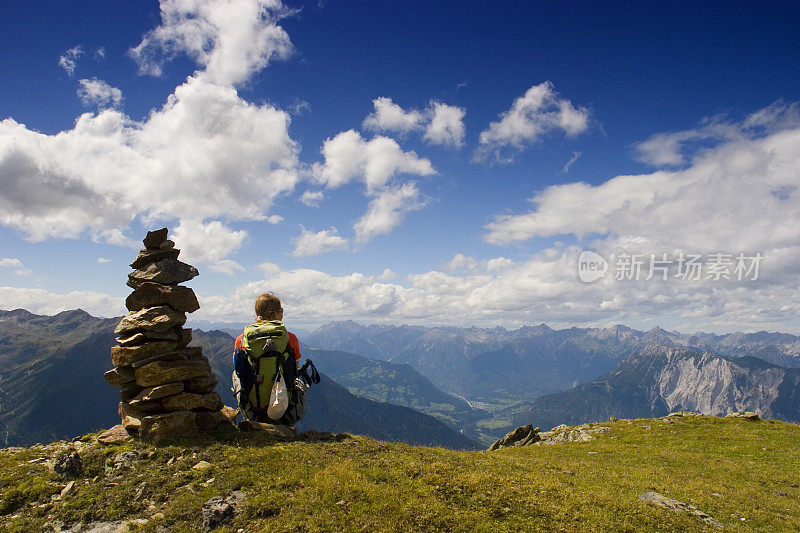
{"x": 268, "y": 306}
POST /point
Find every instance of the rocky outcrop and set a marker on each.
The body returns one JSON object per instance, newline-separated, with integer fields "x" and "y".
{"x": 665, "y": 502}
{"x": 530, "y": 436}
{"x": 166, "y": 388}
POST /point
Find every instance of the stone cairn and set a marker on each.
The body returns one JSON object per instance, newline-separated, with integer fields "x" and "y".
{"x": 167, "y": 387}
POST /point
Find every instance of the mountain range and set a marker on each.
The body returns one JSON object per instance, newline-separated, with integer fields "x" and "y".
{"x": 52, "y": 386}
{"x": 446, "y": 386}
{"x": 496, "y": 367}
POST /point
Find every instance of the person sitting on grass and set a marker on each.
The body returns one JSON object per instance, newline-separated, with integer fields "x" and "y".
{"x": 265, "y": 355}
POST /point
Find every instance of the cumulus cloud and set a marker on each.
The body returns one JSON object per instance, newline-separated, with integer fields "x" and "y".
{"x": 16, "y": 265}
{"x": 543, "y": 288}
{"x": 538, "y": 112}
{"x": 461, "y": 261}
{"x": 446, "y": 126}
{"x": 274, "y": 219}
{"x": 103, "y": 260}
{"x": 94, "y": 92}
{"x": 43, "y": 302}
{"x": 208, "y": 243}
{"x": 312, "y": 198}
{"x": 320, "y": 242}
{"x": 389, "y": 116}
{"x": 702, "y": 207}
{"x": 441, "y": 123}
{"x": 69, "y": 58}
{"x": 348, "y": 157}
{"x": 205, "y": 143}
{"x": 387, "y": 210}
{"x": 230, "y": 40}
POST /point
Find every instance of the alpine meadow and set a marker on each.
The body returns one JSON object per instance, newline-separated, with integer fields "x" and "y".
{"x": 330, "y": 265}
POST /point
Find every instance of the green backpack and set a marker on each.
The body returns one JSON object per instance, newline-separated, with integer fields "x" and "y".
{"x": 269, "y": 353}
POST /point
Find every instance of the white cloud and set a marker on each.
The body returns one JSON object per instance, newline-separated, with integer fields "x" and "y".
{"x": 69, "y": 58}
{"x": 100, "y": 53}
{"x": 299, "y": 107}
{"x": 702, "y": 208}
{"x": 442, "y": 124}
{"x": 387, "y": 275}
{"x": 389, "y": 116}
{"x": 669, "y": 149}
{"x": 312, "y": 198}
{"x": 208, "y": 243}
{"x": 230, "y": 40}
{"x": 205, "y": 142}
{"x": 274, "y": 219}
{"x": 320, "y": 242}
{"x": 103, "y": 260}
{"x": 94, "y": 92}
{"x": 461, "y": 261}
{"x": 446, "y": 126}
{"x": 387, "y": 210}
{"x": 349, "y": 157}
{"x": 16, "y": 265}
{"x": 43, "y": 302}
{"x": 538, "y": 112}
{"x": 544, "y": 287}
{"x": 575, "y": 156}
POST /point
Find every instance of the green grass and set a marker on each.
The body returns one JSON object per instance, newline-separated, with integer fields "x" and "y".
{"x": 730, "y": 469}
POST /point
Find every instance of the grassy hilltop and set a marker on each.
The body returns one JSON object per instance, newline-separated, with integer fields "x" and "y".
{"x": 745, "y": 474}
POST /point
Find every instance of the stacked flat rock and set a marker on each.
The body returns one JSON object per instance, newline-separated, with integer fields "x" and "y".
{"x": 167, "y": 387}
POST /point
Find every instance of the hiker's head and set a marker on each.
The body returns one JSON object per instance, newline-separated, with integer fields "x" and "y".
{"x": 268, "y": 307}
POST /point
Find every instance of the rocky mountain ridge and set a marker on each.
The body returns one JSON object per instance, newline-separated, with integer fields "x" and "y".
{"x": 496, "y": 365}
{"x": 660, "y": 379}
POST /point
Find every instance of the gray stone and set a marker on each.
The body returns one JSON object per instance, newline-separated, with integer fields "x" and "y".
{"x": 521, "y": 436}
{"x": 168, "y": 426}
{"x": 129, "y": 391}
{"x": 141, "y": 337}
{"x": 68, "y": 464}
{"x": 159, "y": 319}
{"x": 276, "y": 430}
{"x": 187, "y": 401}
{"x": 114, "y": 435}
{"x": 166, "y": 272}
{"x": 184, "y": 336}
{"x": 150, "y": 294}
{"x": 155, "y": 238}
{"x": 161, "y": 391}
{"x": 201, "y": 385}
{"x": 131, "y": 417}
{"x": 146, "y": 256}
{"x": 746, "y": 415}
{"x": 665, "y": 502}
{"x": 147, "y": 407}
{"x": 127, "y": 355}
{"x": 219, "y": 510}
{"x": 160, "y": 372}
{"x": 207, "y": 421}
{"x": 169, "y": 356}
{"x": 118, "y": 376}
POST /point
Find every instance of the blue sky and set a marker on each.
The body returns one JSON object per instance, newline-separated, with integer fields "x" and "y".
{"x": 377, "y": 161}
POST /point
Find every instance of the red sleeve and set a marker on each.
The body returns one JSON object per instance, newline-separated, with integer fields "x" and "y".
{"x": 238, "y": 344}
{"x": 295, "y": 344}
